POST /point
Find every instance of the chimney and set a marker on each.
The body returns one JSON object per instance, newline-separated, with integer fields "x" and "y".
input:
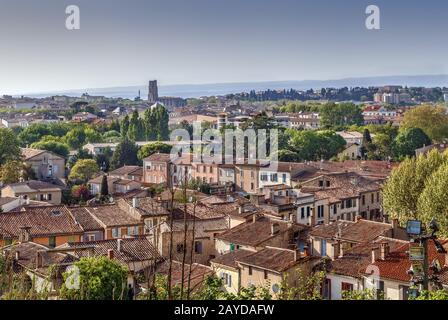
{"x": 119, "y": 244}
{"x": 24, "y": 234}
{"x": 297, "y": 254}
{"x": 395, "y": 224}
{"x": 337, "y": 250}
{"x": 241, "y": 209}
{"x": 275, "y": 228}
{"x": 374, "y": 255}
{"x": 39, "y": 259}
{"x": 135, "y": 202}
{"x": 110, "y": 254}
{"x": 384, "y": 250}
{"x": 17, "y": 255}
{"x": 358, "y": 217}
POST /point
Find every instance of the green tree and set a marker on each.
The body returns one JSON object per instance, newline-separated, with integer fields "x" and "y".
{"x": 433, "y": 295}
{"x": 81, "y": 193}
{"x": 135, "y": 131}
{"x": 84, "y": 170}
{"x": 92, "y": 135}
{"x": 124, "y": 126}
{"x": 56, "y": 147}
{"x": 366, "y": 294}
{"x": 151, "y": 148}
{"x": 10, "y": 172}
{"x": 76, "y": 138}
{"x": 432, "y": 120}
{"x": 402, "y": 190}
{"x": 104, "y": 187}
{"x": 337, "y": 116}
{"x": 408, "y": 141}
{"x": 433, "y": 201}
{"x": 100, "y": 279}
{"x": 9, "y": 146}
{"x": 125, "y": 154}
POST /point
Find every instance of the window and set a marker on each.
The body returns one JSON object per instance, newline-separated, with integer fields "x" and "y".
{"x": 264, "y": 177}
{"x": 49, "y": 197}
{"x": 226, "y": 279}
{"x": 132, "y": 231}
{"x": 266, "y": 274}
{"x": 364, "y": 199}
{"x": 335, "y": 209}
{"x": 90, "y": 237}
{"x": 252, "y": 186}
{"x": 320, "y": 211}
{"x": 211, "y": 169}
{"x": 346, "y": 286}
{"x": 302, "y": 213}
{"x": 284, "y": 178}
{"x": 42, "y": 197}
{"x": 116, "y": 233}
{"x": 274, "y": 177}
{"x": 380, "y": 288}
{"x": 232, "y": 247}
{"x": 372, "y": 198}
{"x": 377, "y": 197}
{"x": 323, "y": 247}
{"x": 308, "y": 212}
{"x": 321, "y": 183}
{"x": 52, "y": 242}
{"x": 250, "y": 271}
{"x": 328, "y": 183}
{"x": 180, "y": 248}
{"x": 198, "y": 247}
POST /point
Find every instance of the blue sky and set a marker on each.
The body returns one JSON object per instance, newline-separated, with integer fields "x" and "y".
{"x": 213, "y": 41}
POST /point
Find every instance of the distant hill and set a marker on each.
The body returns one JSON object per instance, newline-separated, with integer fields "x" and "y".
{"x": 198, "y": 90}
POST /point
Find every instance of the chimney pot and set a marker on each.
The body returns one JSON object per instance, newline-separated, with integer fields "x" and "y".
{"x": 24, "y": 234}
{"x": 17, "y": 255}
{"x": 119, "y": 244}
{"x": 373, "y": 255}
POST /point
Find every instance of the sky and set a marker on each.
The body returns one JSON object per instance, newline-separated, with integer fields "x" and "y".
{"x": 128, "y": 42}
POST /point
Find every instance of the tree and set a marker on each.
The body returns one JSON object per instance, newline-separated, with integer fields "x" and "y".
{"x": 308, "y": 286}
{"x": 9, "y": 146}
{"x": 125, "y": 154}
{"x": 337, "y": 116}
{"x": 315, "y": 145}
{"x": 402, "y": 190}
{"x": 84, "y": 170}
{"x": 124, "y": 126}
{"x": 103, "y": 159}
{"x": 104, "y": 187}
{"x": 366, "y": 294}
{"x": 367, "y": 144}
{"x": 155, "y": 123}
{"x": 151, "y": 148}
{"x": 99, "y": 279}
{"x": 408, "y": 141}
{"x": 10, "y": 172}
{"x": 135, "y": 131}
{"x": 433, "y": 201}
{"x": 56, "y": 147}
{"x": 433, "y": 295}
{"x": 92, "y": 136}
{"x": 75, "y": 138}
{"x": 432, "y": 120}
{"x": 81, "y": 193}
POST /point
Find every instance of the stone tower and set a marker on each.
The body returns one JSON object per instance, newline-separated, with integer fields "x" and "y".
{"x": 153, "y": 95}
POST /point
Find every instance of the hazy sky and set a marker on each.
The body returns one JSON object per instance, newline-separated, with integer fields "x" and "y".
{"x": 128, "y": 42}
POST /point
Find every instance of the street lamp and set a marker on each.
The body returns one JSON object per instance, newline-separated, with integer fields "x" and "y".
{"x": 418, "y": 255}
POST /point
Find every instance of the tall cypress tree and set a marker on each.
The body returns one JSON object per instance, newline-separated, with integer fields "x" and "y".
{"x": 104, "y": 187}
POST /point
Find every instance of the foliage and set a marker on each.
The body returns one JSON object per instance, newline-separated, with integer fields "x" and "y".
{"x": 125, "y": 154}
{"x": 76, "y": 137}
{"x": 366, "y": 294}
{"x": 104, "y": 187}
{"x": 9, "y": 146}
{"x": 152, "y": 148}
{"x": 53, "y": 146}
{"x": 10, "y": 172}
{"x": 307, "y": 286}
{"x": 100, "y": 279}
{"x": 406, "y": 184}
{"x": 81, "y": 193}
{"x": 408, "y": 141}
{"x": 432, "y": 120}
{"x": 337, "y": 116}
{"x": 84, "y": 170}
{"x": 433, "y": 201}
{"x": 315, "y": 145}
{"x": 432, "y": 295}
{"x": 155, "y": 123}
